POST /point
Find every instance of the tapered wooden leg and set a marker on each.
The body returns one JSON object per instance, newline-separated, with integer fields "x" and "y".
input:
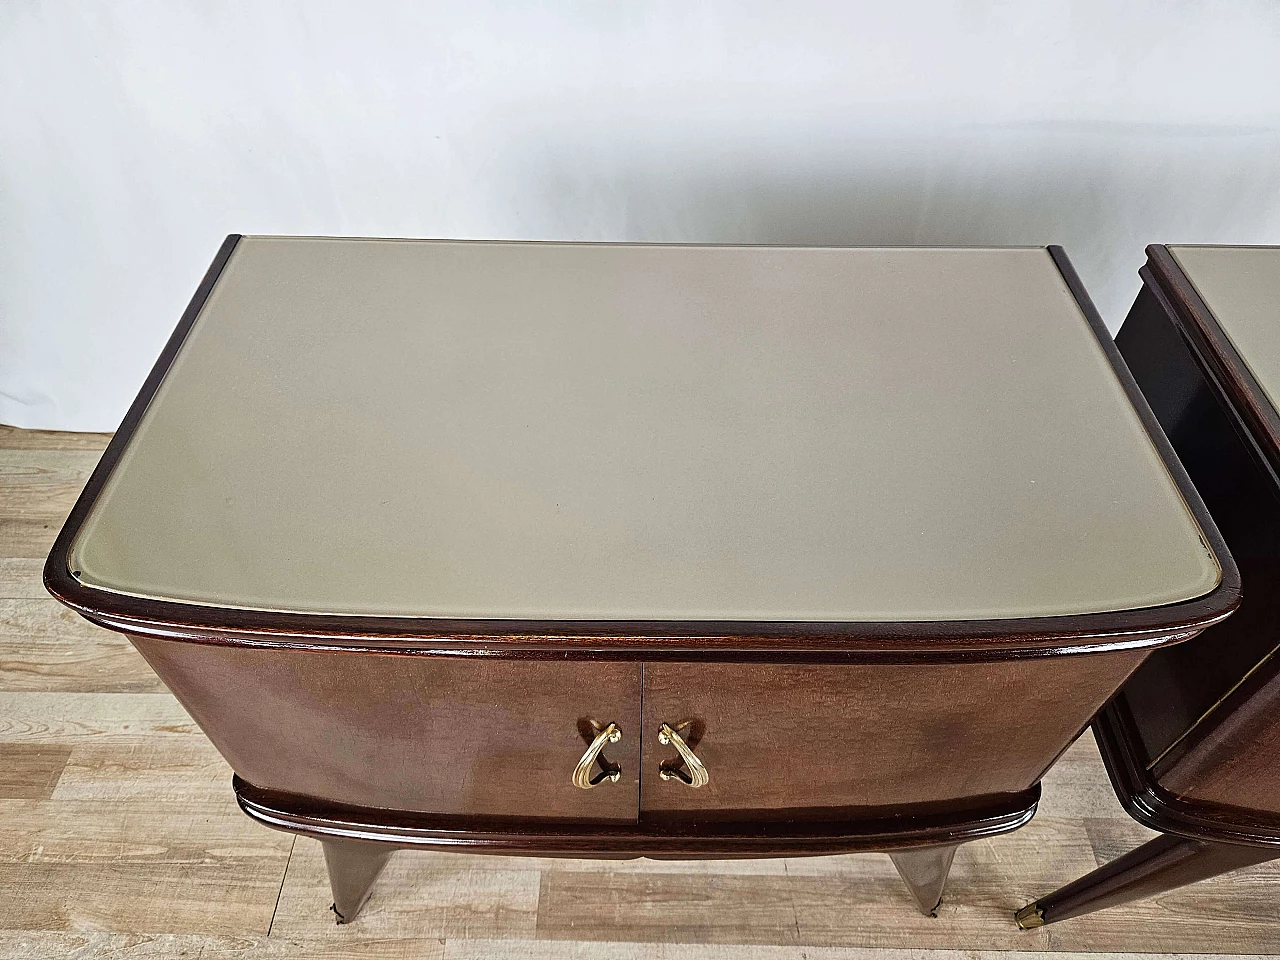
{"x": 925, "y": 872}
{"x": 1160, "y": 865}
{"x": 353, "y": 867}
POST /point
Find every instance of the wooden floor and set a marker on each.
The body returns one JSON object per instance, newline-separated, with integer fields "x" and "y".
{"x": 119, "y": 837}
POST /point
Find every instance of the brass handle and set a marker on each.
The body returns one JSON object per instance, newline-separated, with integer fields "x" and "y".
{"x": 697, "y": 775}
{"x": 608, "y": 772}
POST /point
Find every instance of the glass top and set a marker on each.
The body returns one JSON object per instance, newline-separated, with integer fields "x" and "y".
{"x": 630, "y": 432}
{"x": 1241, "y": 286}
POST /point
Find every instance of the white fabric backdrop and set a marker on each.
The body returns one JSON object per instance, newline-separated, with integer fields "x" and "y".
{"x": 134, "y": 136}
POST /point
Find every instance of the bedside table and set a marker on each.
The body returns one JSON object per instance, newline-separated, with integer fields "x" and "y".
{"x": 623, "y": 550}
{"x": 1190, "y": 741}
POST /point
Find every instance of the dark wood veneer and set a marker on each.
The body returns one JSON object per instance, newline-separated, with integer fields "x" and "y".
{"x": 1177, "y": 685}
{"x": 1162, "y": 735}
{"x": 779, "y": 736}
{"x": 429, "y": 734}
{"x": 1151, "y": 804}
{"x": 1220, "y": 362}
{"x": 1189, "y": 741}
{"x": 924, "y": 825}
{"x": 462, "y": 735}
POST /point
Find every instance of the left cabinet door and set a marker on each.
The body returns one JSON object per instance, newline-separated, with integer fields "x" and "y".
{"x": 465, "y": 736}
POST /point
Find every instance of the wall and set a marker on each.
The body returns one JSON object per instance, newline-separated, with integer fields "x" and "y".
{"x": 133, "y": 136}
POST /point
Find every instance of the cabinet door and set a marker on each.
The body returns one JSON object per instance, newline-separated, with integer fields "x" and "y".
{"x": 817, "y": 741}
{"x": 433, "y": 735}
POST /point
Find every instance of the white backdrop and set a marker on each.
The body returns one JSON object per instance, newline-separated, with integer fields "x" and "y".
{"x": 134, "y": 136}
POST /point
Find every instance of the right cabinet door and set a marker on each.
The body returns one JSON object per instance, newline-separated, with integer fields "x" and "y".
{"x": 820, "y": 741}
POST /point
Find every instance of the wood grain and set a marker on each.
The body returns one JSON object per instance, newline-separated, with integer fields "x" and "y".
{"x": 234, "y": 895}
{"x": 70, "y": 718}
{"x": 46, "y": 647}
{"x": 20, "y": 578}
{"x": 14, "y": 438}
{"x": 133, "y": 831}
{"x": 867, "y": 735}
{"x": 41, "y": 945}
{"x": 597, "y": 950}
{"x": 488, "y": 738}
{"x": 140, "y": 853}
{"x": 419, "y": 894}
{"x": 1206, "y": 709}
{"x": 40, "y": 487}
{"x": 137, "y": 868}
{"x": 1074, "y": 791}
{"x": 833, "y": 910}
{"x": 158, "y": 769}
{"x": 30, "y": 771}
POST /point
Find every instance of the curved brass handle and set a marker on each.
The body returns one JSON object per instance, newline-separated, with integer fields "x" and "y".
{"x": 609, "y": 772}
{"x": 670, "y": 770}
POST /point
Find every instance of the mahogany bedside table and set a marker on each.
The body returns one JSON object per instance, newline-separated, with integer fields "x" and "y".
{"x": 1191, "y": 740}
{"x": 622, "y": 550}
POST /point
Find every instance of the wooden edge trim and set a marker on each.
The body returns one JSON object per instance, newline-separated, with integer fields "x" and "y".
{"x": 1201, "y": 356}
{"x": 1225, "y": 598}
{"x": 933, "y": 641}
{"x": 658, "y": 645}
{"x": 1152, "y": 806}
{"x": 323, "y": 820}
{"x": 58, "y": 578}
{"x": 1217, "y": 355}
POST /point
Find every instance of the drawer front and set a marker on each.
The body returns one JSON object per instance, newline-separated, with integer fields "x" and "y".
{"x": 813, "y": 741}
{"x": 433, "y": 735}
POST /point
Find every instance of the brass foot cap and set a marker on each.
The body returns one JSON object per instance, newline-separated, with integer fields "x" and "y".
{"x": 1030, "y": 916}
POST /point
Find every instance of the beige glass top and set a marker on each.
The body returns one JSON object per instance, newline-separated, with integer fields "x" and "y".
{"x": 578, "y": 431}
{"x": 1241, "y": 286}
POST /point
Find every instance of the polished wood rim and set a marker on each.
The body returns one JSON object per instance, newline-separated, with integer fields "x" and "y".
{"x": 1134, "y": 775}
{"x": 1153, "y": 806}
{"x": 933, "y": 641}
{"x": 1255, "y": 416}
{"x": 683, "y": 839}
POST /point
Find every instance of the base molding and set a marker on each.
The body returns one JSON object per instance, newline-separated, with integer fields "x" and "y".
{"x": 684, "y": 839}
{"x": 1153, "y": 806}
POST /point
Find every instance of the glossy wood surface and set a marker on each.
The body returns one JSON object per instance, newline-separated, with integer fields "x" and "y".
{"x": 1228, "y": 320}
{"x": 1217, "y": 356}
{"x": 1190, "y": 740}
{"x": 1233, "y": 763}
{"x": 487, "y": 738}
{"x": 1203, "y": 712}
{"x": 803, "y": 759}
{"x": 1158, "y": 866}
{"x": 805, "y": 742}
{"x": 136, "y": 850}
{"x": 1229, "y": 687}
{"x": 925, "y": 872}
{"x": 926, "y": 640}
{"x": 1179, "y": 685}
{"x": 380, "y": 738}
{"x": 660, "y": 838}
{"x": 353, "y": 868}
{"x": 1153, "y": 805}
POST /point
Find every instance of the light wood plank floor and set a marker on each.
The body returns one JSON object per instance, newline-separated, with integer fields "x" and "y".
{"x": 119, "y": 837}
